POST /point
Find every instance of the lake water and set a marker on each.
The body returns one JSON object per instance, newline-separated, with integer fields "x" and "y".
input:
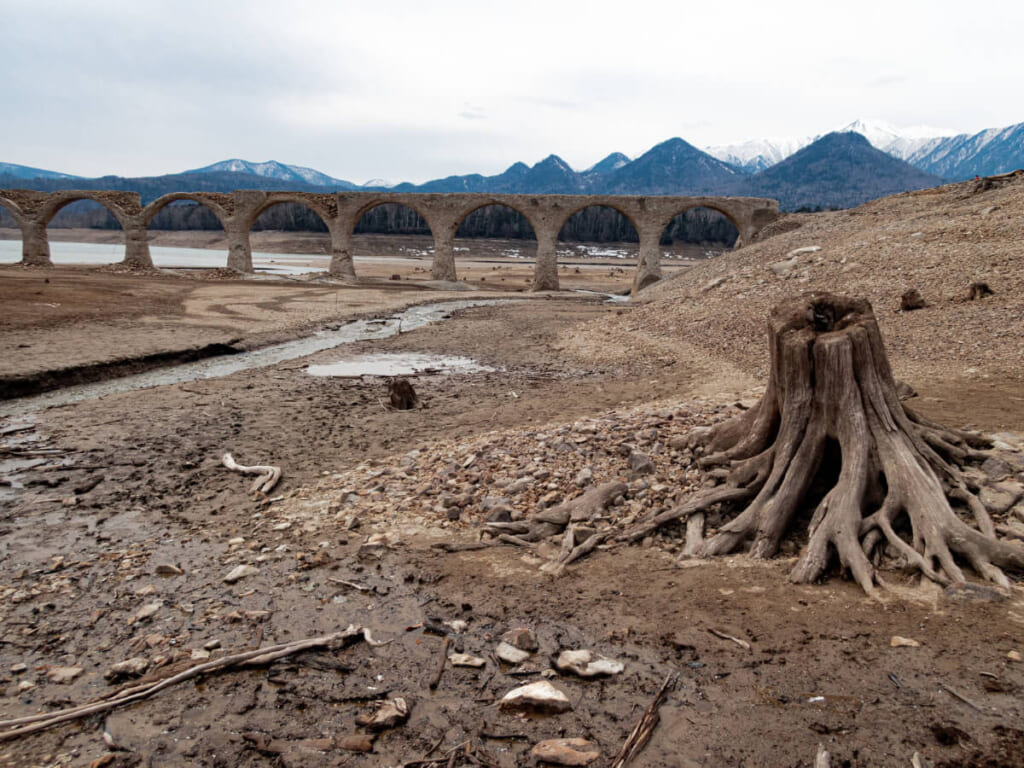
{"x": 171, "y": 258}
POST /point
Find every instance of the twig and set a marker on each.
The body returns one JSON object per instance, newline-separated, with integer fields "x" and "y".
{"x": 259, "y": 656}
{"x": 741, "y": 643}
{"x": 436, "y": 679}
{"x": 268, "y": 475}
{"x": 642, "y": 731}
{"x": 351, "y": 584}
{"x": 957, "y": 695}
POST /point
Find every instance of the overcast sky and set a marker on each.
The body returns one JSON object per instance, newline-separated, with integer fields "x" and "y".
{"x": 421, "y": 89}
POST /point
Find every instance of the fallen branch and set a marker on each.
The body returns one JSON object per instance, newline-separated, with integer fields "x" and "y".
{"x": 268, "y": 475}
{"x": 642, "y": 731}
{"x": 33, "y": 723}
{"x": 436, "y": 679}
{"x": 741, "y": 643}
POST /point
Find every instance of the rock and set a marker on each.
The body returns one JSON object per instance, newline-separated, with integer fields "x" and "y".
{"x": 134, "y": 667}
{"x": 510, "y": 654}
{"x": 584, "y": 477}
{"x": 199, "y": 654}
{"x": 148, "y": 611}
{"x": 785, "y": 268}
{"x": 211, "y": 645}
{"x": 1000, "y": 497}
{"x": 240, "y": 572}
{"x": 523, "y": 638}
{"x": 911, "y": 300}
{"x": 587, "y": 664}
{"x": 518, "y": 486}
{"x": 976, "y": 592}
{"x": 641, "y": 464}
{"x": 357, "y": 742}
{"x": 391, "y": 713}
{"x": 713, "y": 283}
{"x": 17, "y": 669}
{"x": 63, "y": 675}
{"x": 168, "y": 569}
{"x": 1014, "y": 656}
{"x": 566, "y": 752}
{"x": 903, "y": 642}
{"x": 499, "y": 514}
{"x": 465, "y": 660}
{"x": 996, "y": 468}
{"x": 977, "y": 291}
{"x": 541, "y": 697}
{"x": 28, "y": 685}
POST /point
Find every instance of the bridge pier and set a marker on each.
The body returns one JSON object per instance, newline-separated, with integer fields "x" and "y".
{"x": 443, "y": 267}
{"x": 136, "y": 244}
{"x": 648, "y": 269}
{"x": 239, "y": 247}
{"x": 545, "y": 271}
{"x": 341, "y": 250}
{"x": 35, "y": 246}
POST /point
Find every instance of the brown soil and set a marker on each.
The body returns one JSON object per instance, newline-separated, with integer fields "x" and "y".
{"x": 138, "y": 484}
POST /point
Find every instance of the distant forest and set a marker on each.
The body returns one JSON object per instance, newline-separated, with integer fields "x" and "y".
{"x": 595, "y": 224}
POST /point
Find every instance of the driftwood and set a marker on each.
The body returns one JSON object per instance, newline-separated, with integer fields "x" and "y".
{"x": 268, "y": 475}
{"x": 642, "y": 731}
{"x": 12, "y": 729}
{"x": 831, "y": 436}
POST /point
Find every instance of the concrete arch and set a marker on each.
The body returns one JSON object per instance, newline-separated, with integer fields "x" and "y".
{"x": 719, "y": 208}
{"x": 150, "y": 211}
{"x": 324, "y": 206}
{"x": 475, "y": 206}
{"x": 572, "y": 211}
{"x": 123, "y": 206}
{"x": 14, "y": 209}
{"x": 422, "y": 211}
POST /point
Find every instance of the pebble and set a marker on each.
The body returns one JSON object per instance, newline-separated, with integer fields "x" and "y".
{"x": 356, "y": 742}
{"x": 572, "y": 752}
{"x": 168, "y": 569}
{"x": 522, "y": 638}
{"x": 587, "y": 664}
{"x": 211, "y": 645}
{"x": 510, "y": 654}
{"x": 63, "y": 675}
{"x": 240, "y": 572}
{"x": 25, "y": 685}
{"x": 1014, "y": 656}
{"x": 466, "y": 660}
{"x": 148, "y": 611}
{"x": 134, "y": 667}
{"x": 17, "y": 669}
{"x": 541, "y": 697}
{"x": 903, "y": 642}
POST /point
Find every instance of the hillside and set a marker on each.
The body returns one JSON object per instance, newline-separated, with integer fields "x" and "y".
{"x": 836, "y": 171}
{"x": 938, "y": 241}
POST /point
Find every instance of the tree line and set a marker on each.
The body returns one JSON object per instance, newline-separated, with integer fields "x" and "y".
{"x": 596, "y": 224}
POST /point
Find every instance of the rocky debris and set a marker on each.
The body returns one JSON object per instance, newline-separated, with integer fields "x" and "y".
{"x": 641, "y": 464}
{"x": 133, "y": 667}
{"x": 540, "y": 698}
{"x": 466, "y": 660}
{"x": 572, "y": 752}
{"x": 240, "y": 572}
{"x": 586, "y": 663}
{"x": 911, "y": 300}
{"x": 168, "y": 569}
{"x": 389, "y": 714}
{"x": 510, "y": 654}
{"x": 27, "y": 685}
{"x": 523, "y": 638}
{"x": 63, "y": 675}
{"x": 148, "y": 611}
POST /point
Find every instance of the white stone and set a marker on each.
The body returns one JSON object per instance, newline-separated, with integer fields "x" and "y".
{"x": 587, "y": 664}
{"x": 466, "y": 660}
{"x": 510, "y": 654}
{"x": 536, "y": 697}
{"x": 240, "y": 572}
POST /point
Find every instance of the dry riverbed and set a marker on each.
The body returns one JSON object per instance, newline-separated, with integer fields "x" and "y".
{"x": 124, "y": 538}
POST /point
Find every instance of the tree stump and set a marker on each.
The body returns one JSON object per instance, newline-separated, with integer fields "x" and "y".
{"x": 401, "y": 394}
{"x": 831, "y": 444}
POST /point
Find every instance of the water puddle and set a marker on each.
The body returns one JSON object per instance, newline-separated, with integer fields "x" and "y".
{"x": 408, "y": 364}
{"x": 209, "y": 368}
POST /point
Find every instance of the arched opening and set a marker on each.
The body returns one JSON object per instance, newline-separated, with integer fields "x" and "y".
{"x": 598, "y": 248}
{"x": 392, "y": 241}
{"x": 84, "y": 231}
{"x": 496, "y": 244}
{"x": 186, "y": 234}
{"x": 289, "y": 237}
{"x": 10, "y": 237}
{"x": 697, "y": 233}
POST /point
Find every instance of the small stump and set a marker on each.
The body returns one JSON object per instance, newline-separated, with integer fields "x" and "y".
{"x": 402, "y": 395}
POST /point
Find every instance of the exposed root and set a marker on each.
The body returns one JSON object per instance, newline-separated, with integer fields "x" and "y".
{"x": 831, "y": 437}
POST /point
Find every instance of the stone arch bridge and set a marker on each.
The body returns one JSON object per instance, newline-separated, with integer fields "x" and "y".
{"x": 238, "y": 211}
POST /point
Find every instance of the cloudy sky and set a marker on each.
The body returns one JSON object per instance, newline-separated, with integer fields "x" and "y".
{"x": 418, "y": 89}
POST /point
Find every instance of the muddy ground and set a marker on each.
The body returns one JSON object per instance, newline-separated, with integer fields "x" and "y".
{"x": 135, "y": 483}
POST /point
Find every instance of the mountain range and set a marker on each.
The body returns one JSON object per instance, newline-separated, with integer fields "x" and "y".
{"x": 862, "y": 161}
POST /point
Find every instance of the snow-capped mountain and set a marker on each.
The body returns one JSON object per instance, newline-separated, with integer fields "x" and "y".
{"x": 758, "y": 154}
{"x": 27, "y": 172}
{"x": 275, "y": 170}
{"x": 986, "y": 153}
{"x": 898, "y": 142}
{"x": 380, "y": 184}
